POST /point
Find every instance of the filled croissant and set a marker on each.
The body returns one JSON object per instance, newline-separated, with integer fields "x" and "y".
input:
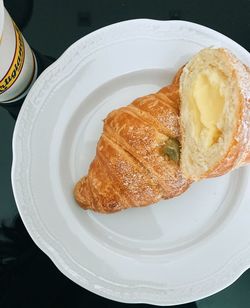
{"x": 137, "y": 156}
{"x": 149, "y": 151}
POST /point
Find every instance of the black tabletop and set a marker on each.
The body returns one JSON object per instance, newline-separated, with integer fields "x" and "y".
{"x": 28, "y": 278}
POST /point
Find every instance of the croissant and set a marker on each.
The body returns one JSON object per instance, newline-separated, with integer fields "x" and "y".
{"x": 137, "y": 155}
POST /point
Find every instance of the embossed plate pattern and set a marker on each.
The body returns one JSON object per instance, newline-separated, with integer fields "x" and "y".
{"x": 177, "y": 251}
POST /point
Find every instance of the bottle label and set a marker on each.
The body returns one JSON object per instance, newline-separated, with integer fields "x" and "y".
{"x": 17, "y": 61}
{"x": 17, "y": 64}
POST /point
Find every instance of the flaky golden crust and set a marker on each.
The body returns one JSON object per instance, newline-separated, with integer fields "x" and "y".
{"x": 130, "y": 169}
{"x": 238, "y": 153}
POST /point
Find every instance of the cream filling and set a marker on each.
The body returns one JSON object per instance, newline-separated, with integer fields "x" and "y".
{"x": 206, "y": 105}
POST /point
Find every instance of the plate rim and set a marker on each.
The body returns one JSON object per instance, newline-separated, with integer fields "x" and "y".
{"x": 240, "y": 262}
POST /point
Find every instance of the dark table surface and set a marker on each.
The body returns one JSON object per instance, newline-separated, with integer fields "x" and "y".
{"x": 27, "y": 276}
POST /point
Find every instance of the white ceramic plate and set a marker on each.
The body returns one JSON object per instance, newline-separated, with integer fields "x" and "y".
{"x": 177, "y": 251}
